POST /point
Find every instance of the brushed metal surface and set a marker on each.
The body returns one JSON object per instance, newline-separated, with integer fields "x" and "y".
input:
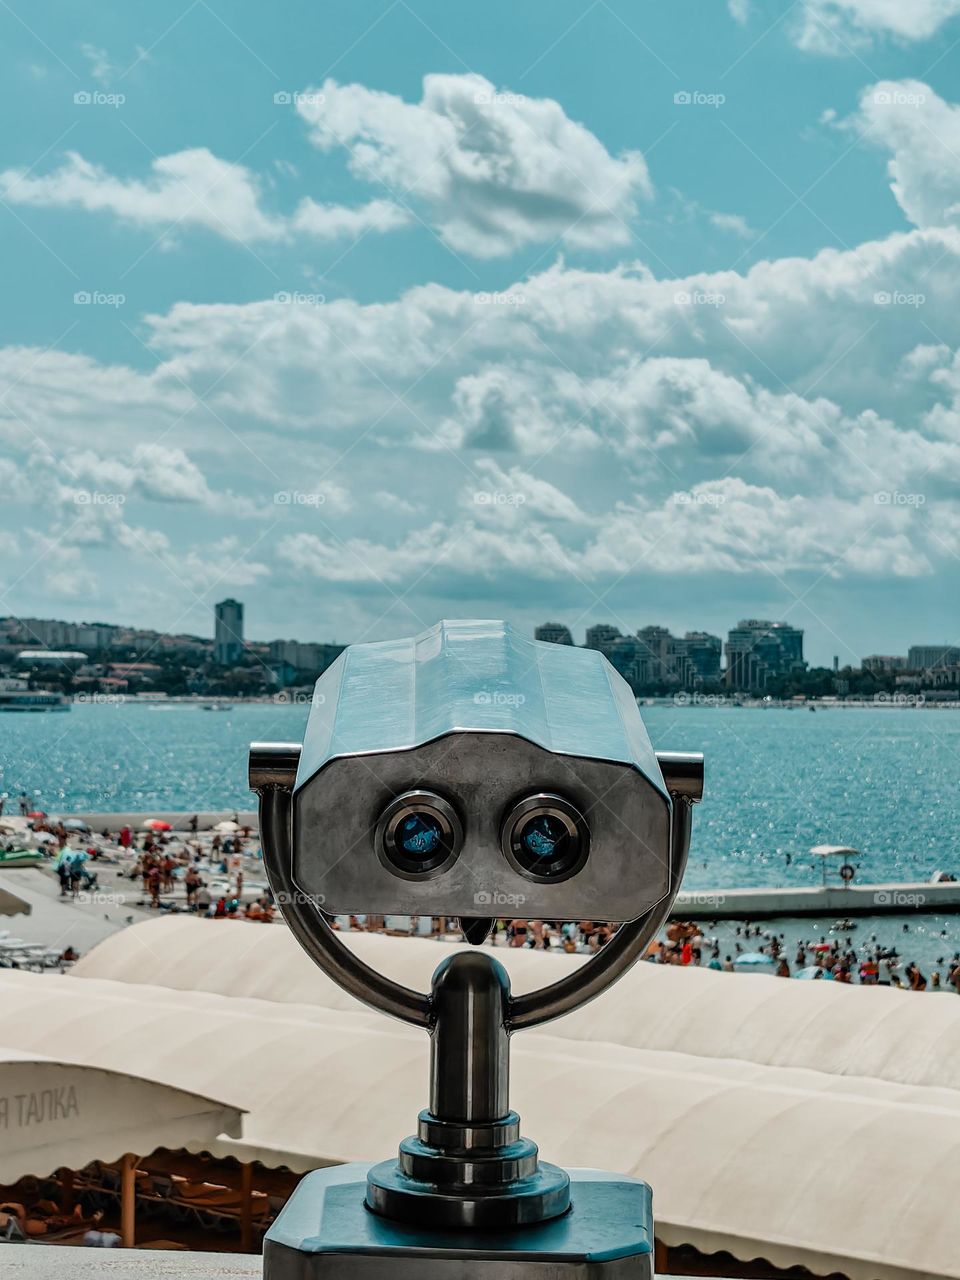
{"x": 474, "y": 675}
{"x": 483, "y": 775}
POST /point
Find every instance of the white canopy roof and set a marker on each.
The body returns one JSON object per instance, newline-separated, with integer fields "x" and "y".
{"x": 858, "y": 1031}
{"x": 57, "y": 1113}
{"x": 777, "y": 1120}
{"x": 12, "y": 905}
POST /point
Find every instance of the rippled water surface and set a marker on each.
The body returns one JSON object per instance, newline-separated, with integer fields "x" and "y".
{"x": 777, "y": 781}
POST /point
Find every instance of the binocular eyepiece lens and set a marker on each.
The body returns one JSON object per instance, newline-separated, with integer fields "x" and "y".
{"x": 419, "y": 835}
{"x": 545, "y": 838}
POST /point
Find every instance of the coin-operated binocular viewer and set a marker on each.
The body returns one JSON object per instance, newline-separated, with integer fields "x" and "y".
{"x": 446, "y": 775}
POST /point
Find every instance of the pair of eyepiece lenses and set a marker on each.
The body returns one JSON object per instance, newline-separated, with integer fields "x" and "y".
{"x": 543, "y": 837}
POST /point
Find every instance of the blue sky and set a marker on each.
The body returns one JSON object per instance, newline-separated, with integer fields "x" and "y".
{"x": 373, "y": 313}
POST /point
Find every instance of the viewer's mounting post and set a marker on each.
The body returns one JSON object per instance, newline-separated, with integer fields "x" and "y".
{"x": 471, "y": 772}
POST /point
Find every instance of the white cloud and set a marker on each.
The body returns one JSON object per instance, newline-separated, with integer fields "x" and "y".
{"x": 616, "y": 425}
{"x": 739, "y": 10}
{"x": 494, "y": 170}
{"x": 719, "y": 526}
{"x": 101, "y": 68}
{"x": 922, "y": 133}
{"x": 154, "y": 471}
{"x": 192, "y": 188}
{"x": 735, "y": 223}
{"x": 842, "y": 26}
{"x": 333, "y": 221}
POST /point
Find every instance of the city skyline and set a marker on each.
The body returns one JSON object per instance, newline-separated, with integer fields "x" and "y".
{"x": 54, "y": 632}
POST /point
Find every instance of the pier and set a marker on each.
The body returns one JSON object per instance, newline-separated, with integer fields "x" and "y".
{"x": 839, "y": 901}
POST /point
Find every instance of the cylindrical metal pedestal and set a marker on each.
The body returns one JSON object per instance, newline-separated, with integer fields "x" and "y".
{"x": 467, "y": 1165}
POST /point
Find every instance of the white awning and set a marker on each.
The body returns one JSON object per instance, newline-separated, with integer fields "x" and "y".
{"x": 12, "y": 905}
{"x": 56, "y": 1113}
{"x": 785, "y": 1121}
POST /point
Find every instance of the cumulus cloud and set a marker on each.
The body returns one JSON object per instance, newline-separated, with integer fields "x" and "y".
{"x": 721, "y": 526}
{"x": 335, "y": 221}
{"x": 192, "y": 188}
{"x": 493, "y": 170}
{"x": 842, "y": 26}
{"x": 154, "y": 471}
{"x": 922, "y": 133}
{"x": 607, "y": 426}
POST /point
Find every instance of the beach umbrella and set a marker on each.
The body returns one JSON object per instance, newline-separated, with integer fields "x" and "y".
{"x": 822, "y": 946}
{"x": 157, "y": 824}
{"x": 37, "y": 813}
{"x": 227, "y": 828}
{"x": 76, "y": 824}
{"x": 812, "y": 971}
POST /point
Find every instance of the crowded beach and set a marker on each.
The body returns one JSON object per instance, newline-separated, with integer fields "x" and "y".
{"x": 211, "y": 867}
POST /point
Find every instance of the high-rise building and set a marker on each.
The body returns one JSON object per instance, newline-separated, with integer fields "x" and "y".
{"x": 927, "y": 657}
{"x": 228, "y": 632}
{"x": 553, "y": 633}
{"x": 601, "y": 636}
{"x": 701, "y": 653}
{"x": 303, "y": 657}
{"x": 884, "y": 663}
{"x": 657, "y": 656}
{"x": 759, "y": 651}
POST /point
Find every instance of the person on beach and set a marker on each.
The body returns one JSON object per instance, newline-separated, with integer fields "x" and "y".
{"x": 153, "y": 885}
{"x": 63, "y": 875}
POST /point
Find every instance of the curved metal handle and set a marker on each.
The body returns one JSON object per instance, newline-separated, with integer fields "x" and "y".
{"x": 311, "y": 929}
{"x": 273, "y": 768}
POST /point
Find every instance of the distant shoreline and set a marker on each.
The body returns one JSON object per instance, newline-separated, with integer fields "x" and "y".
{"x": 679, "y": 701}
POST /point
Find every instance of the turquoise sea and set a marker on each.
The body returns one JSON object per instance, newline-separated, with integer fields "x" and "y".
{"x": 777, "y": 781}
